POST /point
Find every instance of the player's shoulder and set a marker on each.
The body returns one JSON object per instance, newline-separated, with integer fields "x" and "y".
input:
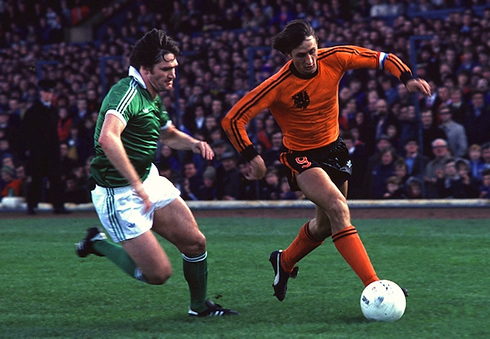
{"x": 327, "y": 51}
{"x": 125, "y": 84}
{"x": 125, "y": 89}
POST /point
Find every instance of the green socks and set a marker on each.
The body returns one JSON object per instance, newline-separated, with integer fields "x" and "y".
{"x": 196, "y": 275}
{"x": 195, "y": 270}
{"x": 117, "y": 254}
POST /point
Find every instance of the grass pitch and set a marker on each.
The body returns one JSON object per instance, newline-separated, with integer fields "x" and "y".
{"x": 48, "y": 292}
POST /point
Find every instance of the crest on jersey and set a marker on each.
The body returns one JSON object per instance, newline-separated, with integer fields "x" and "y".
{"x": 301, "y": 100}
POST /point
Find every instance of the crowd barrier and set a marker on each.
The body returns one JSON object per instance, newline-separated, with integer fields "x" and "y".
{"x": 12, "y": 204}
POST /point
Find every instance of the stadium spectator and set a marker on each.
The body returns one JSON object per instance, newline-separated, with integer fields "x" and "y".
{"x": 414, "y": 160}
{"x": 81, "y": 113}
{"x": 191, "y": 182}
{"x": 264, "y": 135}
{"x": 485, "y": 155}
{"x": 74, "y": 192}
{"x": 228, "y": 178}
{"x": 394, "y": 189}
{"x": 270, "y": 189}
{"x": 485, "y": 186}
{"x": 365, "y": 132}
{"x": 358, "y": 156}
{"x": 430, "y": 132}
{"x": 42, "y": 150}
{"x": 455, "y": 133}
{"x": 414, "y": 189}
{"x": 285, "y": 192}
{"x": 450, "y": 184}
{"x": 471, "y": 183}
{"x": 208, "y": 191}
{"x": 64, "y": 123}
{"x": 408, "y": 126}
{"x": 434, "y": 169}
{"x": 67, "y": 164}
{"x": 381, "y": 173}
{"x": 249, "y": 190}
{"x": 271, "y": 155}
{"x": 477, "y": 122}
{"x": 11, "y": 185}
{"x": 382, "y": 143}
{"x": 382, "y": 118}
{"x": 475, "y": 161}
{"x": 401, "y": 171}
{"x": 459, "y": 108}
{"x": 167, "y": 155}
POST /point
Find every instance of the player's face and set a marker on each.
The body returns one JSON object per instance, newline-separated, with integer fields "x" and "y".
{"x": 305, "y": 56}
{"x": 161, "y": 77}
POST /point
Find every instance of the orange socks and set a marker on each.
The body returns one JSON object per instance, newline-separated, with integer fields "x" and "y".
{"x": 350, "y": 246}
{"x": 299, "y": 248}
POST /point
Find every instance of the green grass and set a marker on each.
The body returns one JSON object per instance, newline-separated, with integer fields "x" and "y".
{"x": 48, "y": 292}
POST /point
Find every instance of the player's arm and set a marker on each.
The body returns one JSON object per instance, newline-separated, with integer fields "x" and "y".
{"x": 234, "y": 126}
{"x": 354, "y": 57}
{"x": 111, "y": 143}
{"x": 392, "y": 64}
{"x": 179, "y": 140}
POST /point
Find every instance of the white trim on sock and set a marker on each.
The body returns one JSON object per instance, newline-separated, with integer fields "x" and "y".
{"x": 201, "y": 257}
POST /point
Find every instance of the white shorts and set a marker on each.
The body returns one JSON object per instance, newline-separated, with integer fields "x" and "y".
{"x": 120, "y": 209}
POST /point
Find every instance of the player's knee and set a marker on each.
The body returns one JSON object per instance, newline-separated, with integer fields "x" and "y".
{"x": 159, "y": 278}
{"x": 197, "y": 246}
{"x": 337, "y": 209}
{"x": 337, "y": 205}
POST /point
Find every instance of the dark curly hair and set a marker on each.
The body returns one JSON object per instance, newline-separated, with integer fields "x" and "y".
{"x": 151, "y": 49}
{"x": 295, "y": 32}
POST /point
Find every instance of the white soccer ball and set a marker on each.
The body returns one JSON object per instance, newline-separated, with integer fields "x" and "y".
{"x": 383, "y": 300}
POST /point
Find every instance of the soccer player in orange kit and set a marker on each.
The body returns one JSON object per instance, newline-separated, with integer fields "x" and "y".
{"x": 303, "y": 98}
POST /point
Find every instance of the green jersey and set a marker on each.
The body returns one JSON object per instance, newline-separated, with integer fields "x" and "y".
{"x": 143, "y": 116}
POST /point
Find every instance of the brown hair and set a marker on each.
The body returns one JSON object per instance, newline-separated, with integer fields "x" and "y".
{"x": 152, "y": 48}
{"x": 293, "y": 35}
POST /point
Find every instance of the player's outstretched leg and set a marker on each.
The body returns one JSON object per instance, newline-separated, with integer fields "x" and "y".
{"x": 86, "y": 246}
{"x": 95, "y": 242}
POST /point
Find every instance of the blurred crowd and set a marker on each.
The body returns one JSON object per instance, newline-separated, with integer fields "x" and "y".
{"x": 402, "y": 146}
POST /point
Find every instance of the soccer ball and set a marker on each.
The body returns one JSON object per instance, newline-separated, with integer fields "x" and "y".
{"x": 383, "y": 300}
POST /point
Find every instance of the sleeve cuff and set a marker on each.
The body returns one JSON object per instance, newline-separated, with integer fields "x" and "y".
{"x": 249, "y": 153}
{"x": 405, "y": 77}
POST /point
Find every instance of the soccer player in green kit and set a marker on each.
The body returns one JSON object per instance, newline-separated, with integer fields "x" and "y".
{"x": 130, "y": 197}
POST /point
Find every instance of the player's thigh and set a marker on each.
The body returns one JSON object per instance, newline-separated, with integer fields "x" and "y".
{"x": 149, "y": 256}
{"x": 320, "y": 189}
{"x": 176, "y": 223}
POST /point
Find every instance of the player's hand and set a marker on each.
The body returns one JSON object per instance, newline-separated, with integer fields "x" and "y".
{"x": 256, "y": 169}
{"x": 140, "y": 191}
{"x": 419, "y": 85}
{"x": 203, "y": 148}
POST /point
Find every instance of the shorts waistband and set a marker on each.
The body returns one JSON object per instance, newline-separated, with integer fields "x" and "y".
{"x": 322, "y": 149}
{"x": 112, "y": 190}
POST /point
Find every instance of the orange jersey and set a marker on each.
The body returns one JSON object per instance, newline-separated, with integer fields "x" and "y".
{"x": 306, "y": 108}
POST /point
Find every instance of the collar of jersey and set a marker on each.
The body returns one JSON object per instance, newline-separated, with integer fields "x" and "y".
{"x": 299, "y": 75}
{"x": 133, "y": 72}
